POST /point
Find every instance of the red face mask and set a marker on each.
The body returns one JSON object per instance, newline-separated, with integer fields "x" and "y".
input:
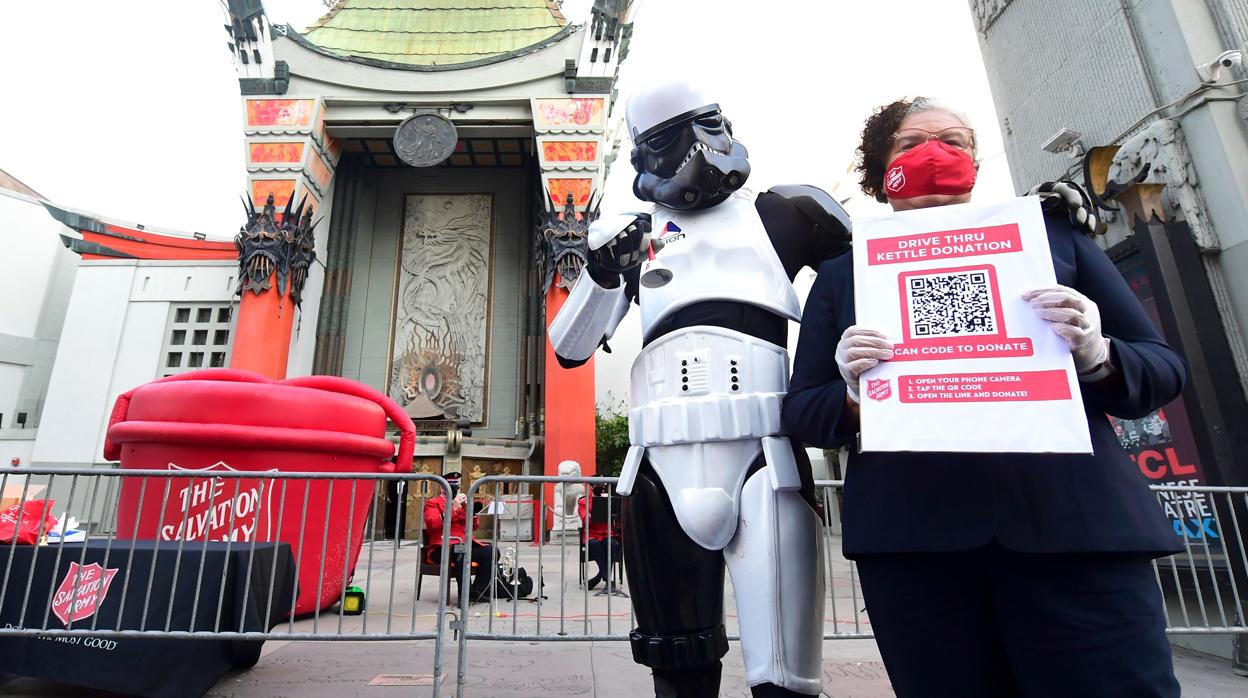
{"x": 931, "y": 168}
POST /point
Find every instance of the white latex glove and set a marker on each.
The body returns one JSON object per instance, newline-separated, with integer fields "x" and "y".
{"x": 1076, "y": 319}
{"x": 860, "y": 349}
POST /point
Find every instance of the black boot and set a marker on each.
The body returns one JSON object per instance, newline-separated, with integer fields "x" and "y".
{"x": 694, "y": 682}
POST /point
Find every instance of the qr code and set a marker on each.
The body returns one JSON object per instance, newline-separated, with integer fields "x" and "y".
{"x": 950, "y": 305}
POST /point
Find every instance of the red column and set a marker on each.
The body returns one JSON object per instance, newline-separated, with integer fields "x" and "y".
{"x": 262, "y": 332}
{"x": 569, "y": 411}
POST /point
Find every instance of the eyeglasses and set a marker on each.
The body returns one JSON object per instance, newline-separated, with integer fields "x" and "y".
{"x": 959, "y": 137}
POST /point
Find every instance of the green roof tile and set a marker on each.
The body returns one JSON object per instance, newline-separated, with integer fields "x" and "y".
{"x": 434, "y": 32}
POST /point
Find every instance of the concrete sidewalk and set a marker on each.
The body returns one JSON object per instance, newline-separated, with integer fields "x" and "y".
{"x": 532, "y": 669}
{"x": 851, "y": 669}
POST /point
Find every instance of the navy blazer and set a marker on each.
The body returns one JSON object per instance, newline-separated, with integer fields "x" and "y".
{"x": 1034, "y": 503}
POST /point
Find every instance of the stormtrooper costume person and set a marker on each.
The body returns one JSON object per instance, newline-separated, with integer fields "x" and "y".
{"x": 710, "y": 477}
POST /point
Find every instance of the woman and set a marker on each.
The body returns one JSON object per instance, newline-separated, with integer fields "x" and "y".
{"x": 602, "y": 540}
{"x": 995, "y": 574}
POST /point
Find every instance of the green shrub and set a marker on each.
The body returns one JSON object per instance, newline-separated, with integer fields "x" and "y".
{"x": 611, "y": 431}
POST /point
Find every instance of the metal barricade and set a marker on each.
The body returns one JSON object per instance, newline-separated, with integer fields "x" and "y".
{"x": 512, "y": 552}
{"x": 216, "y": 504}
{"x": 845, "y": 617}
{"x": 561, "y": 612}
{"x": 1202, "y": 586}
{"x": 1212, "y": 572}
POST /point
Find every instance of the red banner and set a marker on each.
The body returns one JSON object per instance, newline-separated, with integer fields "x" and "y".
{"x": 1010, "y": 386}
{"x": 970, "y": 242}
{"x": 960, "y": 348}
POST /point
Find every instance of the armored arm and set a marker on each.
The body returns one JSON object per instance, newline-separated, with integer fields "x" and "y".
{"x": 806, "y": 225}
{"x": 600, "y": 299}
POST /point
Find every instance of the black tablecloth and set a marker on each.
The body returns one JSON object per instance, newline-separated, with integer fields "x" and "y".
{"x": 154, "y": 667}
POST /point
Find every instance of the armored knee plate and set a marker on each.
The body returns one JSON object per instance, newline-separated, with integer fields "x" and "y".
{"x": 679, "y": 651}
{"x": 776, "y": 563}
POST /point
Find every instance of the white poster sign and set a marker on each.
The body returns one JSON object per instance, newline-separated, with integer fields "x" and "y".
{"x": 974, "y": 369}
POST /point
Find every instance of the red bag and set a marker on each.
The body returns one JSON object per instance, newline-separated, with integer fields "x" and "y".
{"x": 27, "y": 521}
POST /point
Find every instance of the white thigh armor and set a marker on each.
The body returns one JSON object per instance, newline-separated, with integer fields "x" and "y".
{"x": 776, "y": 563}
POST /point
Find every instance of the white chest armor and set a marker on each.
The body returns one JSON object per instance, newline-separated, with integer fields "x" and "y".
{"x": 718, "y": 254}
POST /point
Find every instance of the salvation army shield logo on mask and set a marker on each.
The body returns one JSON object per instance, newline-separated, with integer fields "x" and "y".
{"x": 82, "y": 592}
{"x": 895, "y": 179}
{"x": 879, "y": 388}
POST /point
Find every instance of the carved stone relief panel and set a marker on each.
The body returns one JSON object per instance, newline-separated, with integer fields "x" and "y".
{"x": 438, "y": 366}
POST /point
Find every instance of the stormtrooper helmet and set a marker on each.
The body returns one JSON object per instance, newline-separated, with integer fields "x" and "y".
{"x": 683, "y": 148}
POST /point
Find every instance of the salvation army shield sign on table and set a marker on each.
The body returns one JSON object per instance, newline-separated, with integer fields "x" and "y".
{"x": 82, "y": 591}
{"x": 974, "y": 369}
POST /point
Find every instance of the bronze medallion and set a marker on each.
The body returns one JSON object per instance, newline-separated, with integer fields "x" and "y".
{"x": 424, "y": 140}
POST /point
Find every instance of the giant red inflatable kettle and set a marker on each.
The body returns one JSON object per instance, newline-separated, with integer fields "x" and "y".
{"x": 227, "y": 420}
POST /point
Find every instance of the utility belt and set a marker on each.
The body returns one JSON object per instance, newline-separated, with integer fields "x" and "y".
{"x": 704, "y": 383}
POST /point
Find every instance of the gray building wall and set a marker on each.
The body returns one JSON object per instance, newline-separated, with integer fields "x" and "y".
{"x": 48, "y": 333}
{"x": 1111, "y": 68}
{"x": 38, "y": 275}
{"x": 375, "y": 230}
{"x": 1123, "y": 72}
{"x": 1055, "y": 63}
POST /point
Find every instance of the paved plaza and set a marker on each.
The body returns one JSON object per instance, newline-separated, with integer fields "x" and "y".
{"x": 533, "y": 669}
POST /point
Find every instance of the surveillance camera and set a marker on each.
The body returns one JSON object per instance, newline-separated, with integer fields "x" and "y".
{"x": 1212, "y": 71}
{"x": 1067, "y": 141}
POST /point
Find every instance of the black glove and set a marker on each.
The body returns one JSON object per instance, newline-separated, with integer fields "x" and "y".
{"x": 621, "y": 253}
{"x": 1070, "y": 198}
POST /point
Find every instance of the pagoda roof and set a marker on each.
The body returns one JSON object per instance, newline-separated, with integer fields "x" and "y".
{"x": 427, "y": 33}
{"x": 107, "y": 239}
{"x": 8, "y": 181}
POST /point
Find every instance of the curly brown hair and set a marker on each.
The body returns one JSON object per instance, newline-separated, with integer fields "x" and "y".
{"x": 877, "y": 140}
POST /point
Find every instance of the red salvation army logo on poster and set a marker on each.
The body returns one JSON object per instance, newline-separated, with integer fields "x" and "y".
{"x": 945, "y": 285}
{"x": 82, "y": 592}
{"x": 879, "y": 389}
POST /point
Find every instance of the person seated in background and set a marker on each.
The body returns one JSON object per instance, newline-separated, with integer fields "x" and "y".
{"x": 602, "y": 538}
{"x": 482, "y": 553}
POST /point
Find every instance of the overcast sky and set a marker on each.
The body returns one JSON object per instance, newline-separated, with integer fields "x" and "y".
{"x": 131, "y": 109}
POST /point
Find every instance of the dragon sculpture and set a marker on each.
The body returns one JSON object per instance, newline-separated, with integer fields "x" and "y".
{"x": 270, "y": 244}
{"x": 563, "y": 240}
